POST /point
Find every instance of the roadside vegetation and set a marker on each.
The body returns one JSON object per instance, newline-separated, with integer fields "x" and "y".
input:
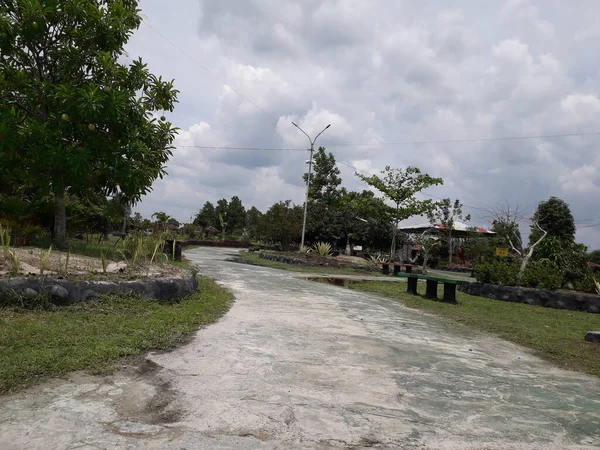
{"x": 254, "y": 259}
{"x": 96, "y": 336}
{"x": 554, "y": 334}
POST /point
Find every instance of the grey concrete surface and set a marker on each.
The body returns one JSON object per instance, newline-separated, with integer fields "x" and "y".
{"x": 303, "y": 365}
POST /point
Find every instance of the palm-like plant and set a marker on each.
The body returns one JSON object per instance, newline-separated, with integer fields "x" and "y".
{"x": 322, "y": 248}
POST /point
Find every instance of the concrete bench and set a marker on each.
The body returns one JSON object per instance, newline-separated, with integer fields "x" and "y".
{"x": 385, "y": 267}
{"x": 432, "y": 286}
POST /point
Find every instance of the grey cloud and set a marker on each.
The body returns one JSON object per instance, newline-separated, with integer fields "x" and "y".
{"x": 393, "y": 71}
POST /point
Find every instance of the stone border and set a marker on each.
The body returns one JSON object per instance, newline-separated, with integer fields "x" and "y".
{"x": 283, "y": 259}
{"x": 539, "y": 297}
{"x": 64, "y": 292}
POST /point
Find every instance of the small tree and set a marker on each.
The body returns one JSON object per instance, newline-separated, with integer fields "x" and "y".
{"x": 427, "y": 243}
{"x": 400, "y": 186}
{"x": 445, "y": 215}
{"x": 505, "y": 219}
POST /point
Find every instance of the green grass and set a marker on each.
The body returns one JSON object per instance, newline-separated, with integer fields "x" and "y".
{"x": 253, "y": 258}
{"x": 93, "y": 249}
{"x": 94, "y": 336}
{"x": 554, "y": 334}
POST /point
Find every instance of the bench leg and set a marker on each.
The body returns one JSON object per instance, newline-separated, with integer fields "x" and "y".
{"x": 385, "y": 269}
{"x": 432, "y": 287}
{"x": 449, "y": 293}
{"x": 411, "y": 286}
{"x": 396, "y": 270}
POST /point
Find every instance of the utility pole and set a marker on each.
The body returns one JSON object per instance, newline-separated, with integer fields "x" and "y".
{"x": 312, "y": 149}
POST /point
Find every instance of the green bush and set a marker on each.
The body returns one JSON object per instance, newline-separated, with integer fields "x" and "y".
{"x": 497, "y": 272}
{"x": 543, "y": 274}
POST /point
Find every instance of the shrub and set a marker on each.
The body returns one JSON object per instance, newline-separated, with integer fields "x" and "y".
{"x": 497, "y": 272}
{"x": 322, "y": 248}
{"x": 543, "y": 274}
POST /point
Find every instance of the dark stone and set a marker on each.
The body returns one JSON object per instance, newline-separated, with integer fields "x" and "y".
{"x": 58, "y": 292}
{"x": 539, "y": 297}
{"x": 593, "y": 337}
{"x": 30, "y": 293}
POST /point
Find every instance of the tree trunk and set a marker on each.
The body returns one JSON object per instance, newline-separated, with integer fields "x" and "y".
{"x": 450, "y": 247}
{"x": 60, "y": 217}
{"x": 393, "y": 248}
{"x": 348, "y": 248}
{"x": 425, "y": 258}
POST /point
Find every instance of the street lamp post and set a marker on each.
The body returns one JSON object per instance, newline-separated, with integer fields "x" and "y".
{"x": 312, "y": 149}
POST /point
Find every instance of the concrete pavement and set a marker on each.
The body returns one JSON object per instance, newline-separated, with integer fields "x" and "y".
{"x": 297, "y": 364}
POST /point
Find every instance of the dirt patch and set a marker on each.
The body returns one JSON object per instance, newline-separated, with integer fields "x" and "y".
{"x": 54, "y": 264}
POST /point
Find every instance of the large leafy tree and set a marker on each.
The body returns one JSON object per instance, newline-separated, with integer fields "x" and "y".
{"x": 554, "y": 216}
{"x": 73, "y": 116}
{"x": 325, "y": 180}
{"x": 281, "y": 224}
{"x": 400, "y": 187}
{"x": 327, "y": 207}
{"x": 207, "y": 216}
{"x": 236, "y": 215}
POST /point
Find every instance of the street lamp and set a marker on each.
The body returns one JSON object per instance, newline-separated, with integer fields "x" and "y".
{"x": 310, "y": 163}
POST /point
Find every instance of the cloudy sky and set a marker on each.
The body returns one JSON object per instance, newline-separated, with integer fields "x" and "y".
{"x": 386, "y": 74}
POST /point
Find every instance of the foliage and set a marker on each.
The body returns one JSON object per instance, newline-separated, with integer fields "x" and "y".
{"x": 325, "y": 179}
{"x": 207, "y": 216}
{"x": 497, "y": 272}
{"x": 322, "y": 248}
{"x": 543, "y": 274}
{"x": 554, "y": 216}
{"x": 141, "y": 248}
{"x": 73, "y": 116}
{"x": 400, "y": 186}
{"x": 281, "y": 224}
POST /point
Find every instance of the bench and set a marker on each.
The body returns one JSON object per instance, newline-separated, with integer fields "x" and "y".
{"x": 432, "y": 286}
{"x": 385, "y": 267}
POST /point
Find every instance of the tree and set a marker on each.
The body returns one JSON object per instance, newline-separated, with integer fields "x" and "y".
{"x": 400, "y": 186}
{"x": 554, "y": 216}
{"x": 444, "y": 215}
{"x": 73, "y": 117}
{"x": 161, "y": 218}
{"x": 281, "y": 224}
{"x": 171, "y": 221}
{"x": 207, "y": 216}
{"x": 427, "y": 243}
{"x": 505, "y": 219}
{"x": 325, "y": 179}
{"x": 325, "y": 221}
{"x": 253, "y": 216}
{"x": 236, "y": 215}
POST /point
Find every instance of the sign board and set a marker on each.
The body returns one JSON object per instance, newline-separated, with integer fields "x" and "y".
{"x": 502, "y": 252}
{"x": 358, "y": 248}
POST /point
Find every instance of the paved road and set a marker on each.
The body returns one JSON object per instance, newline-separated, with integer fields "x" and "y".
{"x": 297, "y": 364}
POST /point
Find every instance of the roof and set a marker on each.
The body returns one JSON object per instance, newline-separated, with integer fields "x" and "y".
{"x": 460, "y": 228}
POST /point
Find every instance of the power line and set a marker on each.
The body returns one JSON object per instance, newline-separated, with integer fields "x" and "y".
{"x": 455, "y": 141}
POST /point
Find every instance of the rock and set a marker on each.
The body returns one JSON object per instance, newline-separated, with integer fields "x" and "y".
{"x": 593, "y": 337}
{"x": 30, "y": 293}
{"x": 58, "y": 292}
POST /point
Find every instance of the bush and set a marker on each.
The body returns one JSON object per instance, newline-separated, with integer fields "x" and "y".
{"x": 542, "y": 274}
{"x": 497, "y": 272}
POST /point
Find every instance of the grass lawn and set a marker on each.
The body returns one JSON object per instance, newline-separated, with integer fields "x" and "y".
{"x": 554, "y": 334}
{"x": 253, "y": 258}
{"x": 94, "y": 336}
